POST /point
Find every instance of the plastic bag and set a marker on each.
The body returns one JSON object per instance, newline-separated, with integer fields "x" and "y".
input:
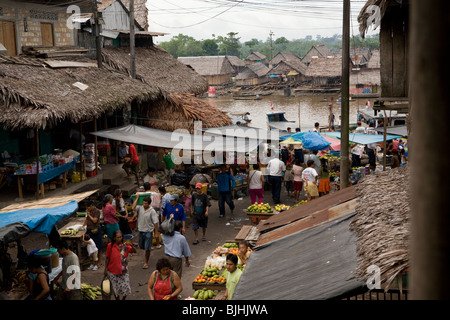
{"x": 106, "y": 288}
{"x": 167, "y": 227}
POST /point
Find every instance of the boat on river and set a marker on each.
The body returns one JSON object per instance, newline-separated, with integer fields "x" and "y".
{"x": 277, "y": 120}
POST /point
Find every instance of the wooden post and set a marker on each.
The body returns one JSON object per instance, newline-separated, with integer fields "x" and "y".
{"x": 132, "y": 41}
{"x": 95, "y": 148}
{"x": 384, "y": 140}
{"x": 430, "y": 241}
{"x": 37, "y": 164}
{"x": 98, "y": 39}
{"x": 299, "y": 126}
{"x": 345, "y": 105}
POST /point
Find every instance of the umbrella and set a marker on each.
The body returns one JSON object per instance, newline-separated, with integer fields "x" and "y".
{"x": 335, "y": 143}
{"x": 291, "y": 140}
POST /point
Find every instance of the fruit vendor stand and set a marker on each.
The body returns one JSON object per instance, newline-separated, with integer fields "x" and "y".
{"x": 210, "y": 278}
{"x": 73, "y": 233}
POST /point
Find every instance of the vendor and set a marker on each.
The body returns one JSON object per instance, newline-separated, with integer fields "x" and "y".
{"x": 38, "y": 281}
{"x": 151, "y": 179}
{"x": 92, "y": 223}
{"x": 233, "y": 274}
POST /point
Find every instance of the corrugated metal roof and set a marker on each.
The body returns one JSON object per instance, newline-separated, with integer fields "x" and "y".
{"x": 312, "y": 264}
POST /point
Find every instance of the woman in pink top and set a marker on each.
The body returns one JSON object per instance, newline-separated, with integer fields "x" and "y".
{"x": 297, "y": 170}
{"x": 109, "y": 215}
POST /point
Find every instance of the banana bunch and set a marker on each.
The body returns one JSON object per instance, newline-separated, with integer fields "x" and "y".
{"x": 70, "y": 232}
{"x": 90, "y": 292}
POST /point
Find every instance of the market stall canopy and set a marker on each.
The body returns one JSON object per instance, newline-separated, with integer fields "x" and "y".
{"x": 396, "y": 130}
{"x": 335, "y": 143}
{"x": 19, "y": 219}
{"x": 311, "y": 140}
{"x": 362, "y": 138}
{"x": 178, "y": 139}
{"x": 291, "y": 140}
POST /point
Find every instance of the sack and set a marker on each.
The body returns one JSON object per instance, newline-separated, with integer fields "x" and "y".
{"x": 106, "y": 288}
{"x": 167, "y": 227}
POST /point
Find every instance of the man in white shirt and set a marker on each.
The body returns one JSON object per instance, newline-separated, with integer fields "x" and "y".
{"x": 359, "y": 128}
{"x": 309, "y": 177}
{"x": 148, "y": 220}
{"x": 275, "y": 169}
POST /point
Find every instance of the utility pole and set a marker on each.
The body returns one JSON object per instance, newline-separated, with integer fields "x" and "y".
{"x": 96, "y": 30}
{"x": 345, "y": 104}
{"x": 132, "y": 41}
{"x": 271, "y": 49}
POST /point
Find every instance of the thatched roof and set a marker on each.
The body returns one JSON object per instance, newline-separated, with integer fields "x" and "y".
{"x": 366, "y": 76}
{"x": 328, "y": 67}
{"x": 382, "y": 223}
{"x": 158, "y": 68}
{"x": 256, "y": 70}
{"x": 140, "y": 11}
{"x": 33, "y": 95}
{"x": 235, "y": 61}
{"x": 255, "y": 56}
{"x": 285, "y": 66}
{"x": 180, "y": 112}
{"x": 284, "y": 56}
{"x": 209, "y": 65}
{"x": 364, "y": 15}
{"x": 374, "y": 62}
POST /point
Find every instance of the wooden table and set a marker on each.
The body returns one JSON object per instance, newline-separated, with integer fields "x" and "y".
{"x": 77, "y": 239}
{"x": 247, "y": 233}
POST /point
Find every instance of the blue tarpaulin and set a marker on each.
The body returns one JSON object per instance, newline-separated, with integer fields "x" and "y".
{"x": 311, "y": 140}
{"x": 362, "y": 138}
{"x": 38, "y": 220}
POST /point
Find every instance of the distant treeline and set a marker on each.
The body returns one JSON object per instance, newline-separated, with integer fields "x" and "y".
{"x": 186, "y": 46}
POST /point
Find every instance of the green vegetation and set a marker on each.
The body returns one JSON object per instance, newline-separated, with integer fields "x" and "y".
{"x": 185, "y": 46}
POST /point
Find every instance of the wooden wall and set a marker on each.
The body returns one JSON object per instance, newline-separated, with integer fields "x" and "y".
{"x": 394, "y": 48}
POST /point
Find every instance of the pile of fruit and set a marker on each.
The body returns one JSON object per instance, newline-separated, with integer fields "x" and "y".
{"x": 282, "y": 207}
{"x": 210, "y": 275}
{"x": 204, "y": 294}
{"x": 260, "y": 208}
{"x": 70, "y": 232}
{"x": 299, "y": 203}
{"x": 90, "y": 292}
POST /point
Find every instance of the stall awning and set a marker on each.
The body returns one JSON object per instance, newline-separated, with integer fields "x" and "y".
{"x": 397, "y": 130}
{"x": 311, "y": 140}
{"x": 19, "y": 219}
{"x": 362, "y": 138}
{"x": 178, "y": 140}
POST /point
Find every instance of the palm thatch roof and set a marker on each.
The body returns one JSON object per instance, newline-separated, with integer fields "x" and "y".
{"x": 382, "y": 223}
{"x": 255, "y": 56}
{"x": 285, "y": 66}
{"x": 209, "y": 65}
{"x": 158, "y": 68}
{"x": 374, "y": 62}
{"x": 284, "y": 56}
{"x": 367, "y": 12}
{"x": 328, "y": 67}
{"x": 235, "y": 61}
{"x": 256, "y": 70}
{"x": 140, "y": 12}
{"x": 33, "y": 95}
{"x": 366, "y": 76}
{"x": 180, "y": 111}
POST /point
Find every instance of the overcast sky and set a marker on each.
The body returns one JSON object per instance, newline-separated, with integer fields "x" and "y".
{"x": 292, "y": 19}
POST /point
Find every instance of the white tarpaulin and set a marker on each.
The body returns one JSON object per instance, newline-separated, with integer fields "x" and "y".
{"x": 180, "y": 139}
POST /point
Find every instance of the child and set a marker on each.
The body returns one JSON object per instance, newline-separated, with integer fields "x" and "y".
{"x": 324, "y": 177}
{"x": 92, "y": 251}
{"x": 288, "y": 179}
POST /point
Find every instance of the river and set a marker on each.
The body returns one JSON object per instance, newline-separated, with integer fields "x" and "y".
{"x": 313, "y": 108}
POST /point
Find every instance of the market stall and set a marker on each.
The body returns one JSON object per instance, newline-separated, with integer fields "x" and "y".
{"x": 212, "y": 277}
{"x": 18, "y": 221}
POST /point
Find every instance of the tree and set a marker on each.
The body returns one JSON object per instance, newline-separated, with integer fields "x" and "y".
{"x": 210, "y": 47}
{"x": 230, "y": 45}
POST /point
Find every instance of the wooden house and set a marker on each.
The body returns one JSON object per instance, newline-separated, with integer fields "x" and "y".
{"x": 31, "y": 23}
{"x": 252, "y": 75}
{"x": 217, "y": 70}
{"x": 316, "y": 51}
{"x": 374, "y": 61}
{"x": 294, "y": 70}
{"x": 256, "y": 57}
{"x": 325, "y": 71}
{"x": 237, "y": 64}
{"x": 365, "y": 83}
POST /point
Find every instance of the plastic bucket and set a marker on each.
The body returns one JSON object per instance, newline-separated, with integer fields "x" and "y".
{"x": 44, "y": 256}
